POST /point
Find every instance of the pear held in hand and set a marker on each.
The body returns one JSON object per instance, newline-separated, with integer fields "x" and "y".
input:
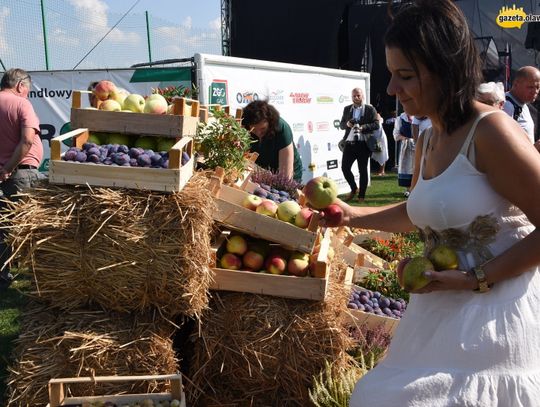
{"x": 411, "y": 273}
{"x": 444, "y": 258}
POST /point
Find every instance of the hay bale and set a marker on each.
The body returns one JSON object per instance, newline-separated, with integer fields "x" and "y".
{"x": 264, "y": 351}
{"x": 77, "y": 343}
{"x": 125, "y": 250}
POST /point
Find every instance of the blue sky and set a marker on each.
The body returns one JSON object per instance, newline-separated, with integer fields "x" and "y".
{"x": 178, "y": 29}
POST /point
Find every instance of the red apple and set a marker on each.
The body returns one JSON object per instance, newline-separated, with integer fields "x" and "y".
{"x": 230, "y": 261}
{"x": 251, "y": 202}
{"x": 104, "y": 89}
{"x": 252, "y": 260}
{"x": 275, "y": 264}
{"x": 237, "y": 245}
{"x": 267, "y": 207}
{"x": 333, "y": 215}
{"x": 303, "y": 218}
{"x": 320, "y": 192}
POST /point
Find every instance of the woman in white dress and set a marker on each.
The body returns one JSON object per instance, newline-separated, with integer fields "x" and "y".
{"x": 470, "y": 338}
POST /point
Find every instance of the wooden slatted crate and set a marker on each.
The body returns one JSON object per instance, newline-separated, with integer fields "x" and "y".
{"x": 311, "y": 288}
{"x": 171, "y": 179}
{"x": 357, "y": 318}
{"x": 57, "y": 390}
{"x": 182, "y": 123}
{"x": 231, "y": 213}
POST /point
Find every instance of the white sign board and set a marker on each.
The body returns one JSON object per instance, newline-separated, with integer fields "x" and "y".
{"x": 310, "y": 99}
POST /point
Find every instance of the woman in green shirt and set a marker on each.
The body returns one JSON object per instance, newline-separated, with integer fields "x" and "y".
{"x": 273, "y": 139}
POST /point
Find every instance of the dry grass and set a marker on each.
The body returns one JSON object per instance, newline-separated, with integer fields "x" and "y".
{"x": 125, "y": 250}
{"x": 75, "y": 343}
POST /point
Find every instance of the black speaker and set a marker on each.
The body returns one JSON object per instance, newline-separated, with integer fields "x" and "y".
{"x": 532, "y": 41}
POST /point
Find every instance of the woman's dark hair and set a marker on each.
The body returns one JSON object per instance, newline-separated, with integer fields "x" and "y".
{"x": 260, "y": 110}
{"x": 435, "y": 33}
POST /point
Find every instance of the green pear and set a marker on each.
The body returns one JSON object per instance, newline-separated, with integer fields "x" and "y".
{"x": 413, "y": 273}
{"x": 444, "y": 258}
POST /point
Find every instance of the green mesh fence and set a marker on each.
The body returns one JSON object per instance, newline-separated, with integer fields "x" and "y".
{"x": 75, "y": 27}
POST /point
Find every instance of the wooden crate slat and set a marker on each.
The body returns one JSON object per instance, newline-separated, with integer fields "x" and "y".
{"x": 358, "y": 318}
{"x": 310, "y": 288}
{"x": 57, "y": 390}
{"x": 134, "y": 123}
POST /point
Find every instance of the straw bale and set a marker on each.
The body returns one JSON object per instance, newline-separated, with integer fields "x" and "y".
{"x": 55, "y": 343}
{"x": 264, "y": 351}
{"x": 126, "y": 250}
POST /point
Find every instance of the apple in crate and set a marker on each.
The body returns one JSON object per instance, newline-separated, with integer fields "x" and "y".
{"x": 165, "y": 143}
{"x": 303, "y": 218}
{"x": 267, "y": 207}
{"x": 110, "y": 105}
{"x": 155, "y": 104}
{"x": 320, "y": 192}
{"x": 104, "y": 89}
{"x": 253, "y": 261}
{"x": 298, "y": 264}
{"x": 287, "y": 211}
{"x": 237, "y": 245}
{"x": 134, "y": 102}
{"x": 230, "y": 261}
{"x": 275, "y": 264}
{"x": 119, "y": 95}
{"x": 251, "y": 202}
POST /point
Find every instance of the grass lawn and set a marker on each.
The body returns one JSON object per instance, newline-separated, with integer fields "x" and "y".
{"x": 383, "y": 191}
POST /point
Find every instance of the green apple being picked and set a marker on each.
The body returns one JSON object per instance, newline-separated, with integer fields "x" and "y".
{"x": 320, "y": 192}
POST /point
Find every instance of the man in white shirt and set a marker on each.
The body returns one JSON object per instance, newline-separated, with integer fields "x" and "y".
{"x": 525, "y": 88}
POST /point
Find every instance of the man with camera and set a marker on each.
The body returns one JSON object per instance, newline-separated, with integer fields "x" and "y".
{"x": 359, "y": 120}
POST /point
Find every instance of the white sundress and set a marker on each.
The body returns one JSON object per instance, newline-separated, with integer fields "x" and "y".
{"x": 460, "y": 348}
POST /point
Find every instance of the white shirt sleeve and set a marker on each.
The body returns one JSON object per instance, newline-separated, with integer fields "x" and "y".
{"x": 397, "y": 127}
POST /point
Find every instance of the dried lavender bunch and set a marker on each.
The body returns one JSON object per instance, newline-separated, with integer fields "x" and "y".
{"x": 276, "y": 180}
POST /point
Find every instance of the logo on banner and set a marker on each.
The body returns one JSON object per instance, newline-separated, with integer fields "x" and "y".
{"x": 315, "y": 148}
{"x": 218, "y": 92}
{"x": 246, "y": 97}
{"x": 50, "y": 93}
{"x": 514, "y": 17}
{"x": 300, "y": 97}
{"x": 310, "y": 126}
{"x": 323, "y": 126}
{"x": 331, "y": 164}
{"x": 344, "y": 98}
{"x": 336, "y": 124}
{"x": 277, "y": 97}
{"x": 325, "y": 99}
{"x": 298, "y": 126}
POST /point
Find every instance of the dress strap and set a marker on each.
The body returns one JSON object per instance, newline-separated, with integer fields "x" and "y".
{"x": 470, "y": 136}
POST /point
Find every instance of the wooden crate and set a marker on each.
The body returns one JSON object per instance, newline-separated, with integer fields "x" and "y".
{"x": 371, "y": 234}
{"x": 161, "y": 125}
{"x": 231, "y": 213}
{"x": 357, "y": 318}
{"x": 170, "y": 179}
{"x": 57, "y": 390}
{"x": 311, "y": 288}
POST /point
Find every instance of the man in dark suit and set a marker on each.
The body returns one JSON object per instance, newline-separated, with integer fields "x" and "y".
{"x": 358, "y": 121}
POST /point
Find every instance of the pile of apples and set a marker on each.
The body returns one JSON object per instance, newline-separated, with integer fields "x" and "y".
{"x": 243, "y": 253}
{"x": 143, "y": 403}
{"x": 288, "y": 211}
{"x": 116, "y": 100}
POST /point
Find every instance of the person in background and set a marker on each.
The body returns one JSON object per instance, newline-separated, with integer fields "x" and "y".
{"x": 525, "y": 88}
{"x": 273, "y": 139}
{"x": 404, "y": 136}
{"x": 358, "y": 120}
{"x": 419, "y": 124}
{"x": 21, "y": 150}
{"x": 381, "y": 156}
{"x": 469, "y": 335}
{"x": 492, "y": 94}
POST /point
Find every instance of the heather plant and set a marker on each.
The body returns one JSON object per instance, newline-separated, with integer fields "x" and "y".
{"x": 276, "y": 180}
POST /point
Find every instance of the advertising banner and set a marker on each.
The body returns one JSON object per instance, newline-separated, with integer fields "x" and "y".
{"x": 310, "y": 99}
{"x": 52, "y": 90}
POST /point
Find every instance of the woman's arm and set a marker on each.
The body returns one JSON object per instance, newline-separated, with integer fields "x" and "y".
{"x": 286, "y": 161}
{"x": 397, "y": 129}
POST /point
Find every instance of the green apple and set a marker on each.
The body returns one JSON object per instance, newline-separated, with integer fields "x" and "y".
{"x": 320, "y": 192}
{"x": 134, "y": 103}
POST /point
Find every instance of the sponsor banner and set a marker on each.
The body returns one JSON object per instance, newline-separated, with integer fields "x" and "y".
{"x": 310, "y": 99}
{"x": 52, "y": 91}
